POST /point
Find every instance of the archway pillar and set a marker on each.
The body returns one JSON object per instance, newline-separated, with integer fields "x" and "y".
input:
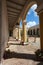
{"x": 15, "y": 32}
{"x": 24, "y": 31}
{"x": 19, "y": 33}
{"x": 4, "y": 34}
{"x": 40, "y": 13}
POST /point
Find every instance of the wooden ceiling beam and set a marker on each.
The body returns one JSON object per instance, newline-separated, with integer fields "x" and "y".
{"x": 14, "y": 10}
{"x": 12, "y": 13}
{"x": 12, "y": 17}
{"x": 16, "y": 3}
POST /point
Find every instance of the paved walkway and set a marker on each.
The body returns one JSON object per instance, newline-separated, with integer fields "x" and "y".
{"x": 20, "y": 55}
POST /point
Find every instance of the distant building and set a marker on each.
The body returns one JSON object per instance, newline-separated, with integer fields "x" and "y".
{"x": 34, "y": 31}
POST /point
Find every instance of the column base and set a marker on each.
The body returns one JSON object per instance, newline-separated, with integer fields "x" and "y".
{"x": 20, "y": 39}
{"x": 24, "y": 43}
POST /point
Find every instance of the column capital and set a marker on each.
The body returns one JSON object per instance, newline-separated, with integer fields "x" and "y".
{"x": 39, "y": 9}
{"x": 17, "y": 25}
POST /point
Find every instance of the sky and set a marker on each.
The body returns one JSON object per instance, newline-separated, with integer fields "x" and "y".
{"x": 32, "y": 18}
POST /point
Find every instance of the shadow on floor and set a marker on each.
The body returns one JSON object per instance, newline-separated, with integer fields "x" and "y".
{"x": 18, "y": 44}
{"x": 41, "y": 63}
{"x": 8, "y": 55}
{"x": 15, "y": 44}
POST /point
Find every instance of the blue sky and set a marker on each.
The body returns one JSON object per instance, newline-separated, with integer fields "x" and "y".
{"x": 32, "y": 18}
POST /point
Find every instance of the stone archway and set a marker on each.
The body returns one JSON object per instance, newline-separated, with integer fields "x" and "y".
{"x": 40, "y": 12}
{"x": 28, "y": 6}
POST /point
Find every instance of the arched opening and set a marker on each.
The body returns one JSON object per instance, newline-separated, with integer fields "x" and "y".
{"x": 32, "y": 20}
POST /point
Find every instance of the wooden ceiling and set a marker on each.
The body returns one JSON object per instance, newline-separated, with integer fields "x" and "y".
{"x": 14, "y": 9}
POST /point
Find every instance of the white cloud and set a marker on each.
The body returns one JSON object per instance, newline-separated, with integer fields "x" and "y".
{"x": 30, "y": 24}
{"x": 34, "y": 7}
{"x": 28, "y": 12}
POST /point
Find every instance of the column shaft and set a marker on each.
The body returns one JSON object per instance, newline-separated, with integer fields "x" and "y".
{"x": 15, "y": 32}
{"x": 24, "y": 32}
{"x": 19, "y": 33}
{"x": 4, "y": 27}
{"x": 41, "y": 30}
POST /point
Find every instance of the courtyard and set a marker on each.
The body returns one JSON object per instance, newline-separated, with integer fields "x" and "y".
{"x": 17, "y": 54}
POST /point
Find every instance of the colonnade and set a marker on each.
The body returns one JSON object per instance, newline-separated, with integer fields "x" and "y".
{"x": 17, "y": 34}
{"x": 4, "y": 32}
{"x": 34, "y": 32}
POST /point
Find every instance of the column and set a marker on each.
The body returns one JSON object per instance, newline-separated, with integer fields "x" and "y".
{"x": 41, "y": 29}
{"x": 40, "y": 12}
{"x": 19, "y": 33}
{"x": 15, "y": 32}
{"x": 24, "y": 32}
{"x": 3, "y": 28}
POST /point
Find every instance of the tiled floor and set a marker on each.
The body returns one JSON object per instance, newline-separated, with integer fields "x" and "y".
{"x": 21, "y": 55}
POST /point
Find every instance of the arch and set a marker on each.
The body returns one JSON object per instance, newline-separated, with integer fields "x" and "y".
{"x": 27, "y": 8}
